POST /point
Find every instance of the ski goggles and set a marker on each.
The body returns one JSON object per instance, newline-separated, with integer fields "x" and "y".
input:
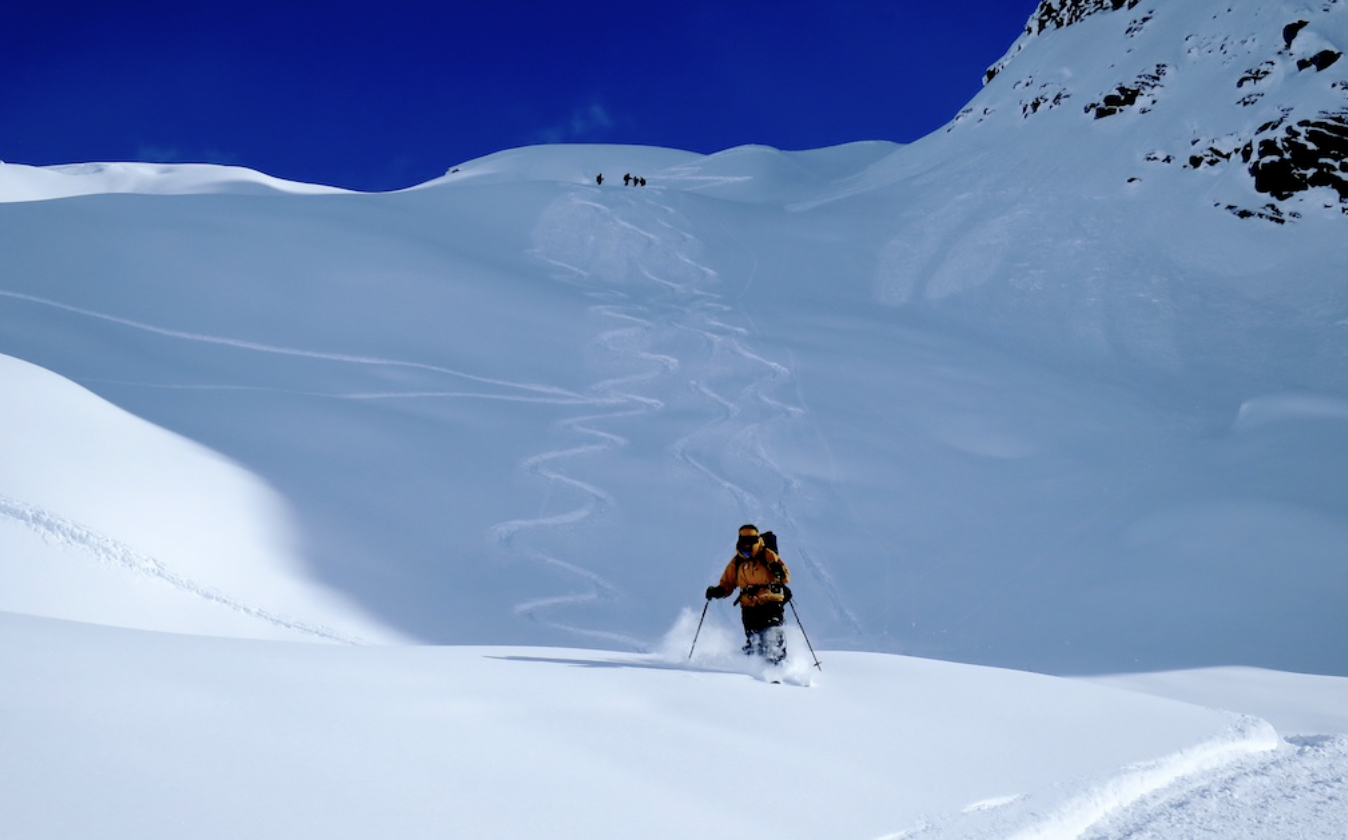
{"x": 748, "y": 542}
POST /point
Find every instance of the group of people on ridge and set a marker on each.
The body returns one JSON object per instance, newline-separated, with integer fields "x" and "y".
{"x": 629, "y": 180}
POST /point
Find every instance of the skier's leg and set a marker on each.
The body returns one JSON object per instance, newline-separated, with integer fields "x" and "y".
{"x": 763, "y": 632}
{"x": 774, "y": 644}
{"x": 752, "y": 640}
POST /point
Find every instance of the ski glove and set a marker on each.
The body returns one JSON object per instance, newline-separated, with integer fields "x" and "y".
{"x": 716, "y": 592}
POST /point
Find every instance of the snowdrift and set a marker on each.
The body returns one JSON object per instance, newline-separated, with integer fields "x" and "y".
{"x": 32, "y": 183}
{"x": 223, "y": 738}
{"x": 108, "y": 519}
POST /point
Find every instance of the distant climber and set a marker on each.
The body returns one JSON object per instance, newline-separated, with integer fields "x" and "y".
{"x": 627, "y": 180}
{"x": 761, "y": 577}
{"x": 599, "y": 179}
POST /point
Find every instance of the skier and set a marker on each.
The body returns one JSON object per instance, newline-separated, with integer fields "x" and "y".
{"x": 761, "y": 577}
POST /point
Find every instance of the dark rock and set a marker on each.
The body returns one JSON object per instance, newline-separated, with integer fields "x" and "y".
{"x": 1274, "y": 125}
{"x": 1125, "y": 96}
{"x": 1291, "y": 30}
{"x": 1320, "y": 61}
{"x": 1138, "y": 25}
{"x": 1057, "y": 14}
{"x": 1047, "y": 99}
{"x": 1210, "y": 157}
{"x": 969, "y": 114}
{"x": 1258, "y": 74}
{"x": 1310, "y": 154}
{"x": 1269, "y": 213}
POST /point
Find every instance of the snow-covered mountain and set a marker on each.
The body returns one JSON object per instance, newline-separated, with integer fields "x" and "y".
{"x": 1062, "y": 387}
{"x": 1250, "y": 81}
{"x": 1026, "y": 392}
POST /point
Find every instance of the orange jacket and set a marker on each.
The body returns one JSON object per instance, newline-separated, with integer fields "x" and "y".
{"x": 754, "y": 577}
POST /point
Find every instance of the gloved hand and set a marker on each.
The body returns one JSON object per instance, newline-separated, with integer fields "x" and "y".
{"x": 715, "y": 592}
{"x": 786, "y": 591}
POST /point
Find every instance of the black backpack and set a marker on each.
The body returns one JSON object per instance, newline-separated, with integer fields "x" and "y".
{"x": 770, "y": 540}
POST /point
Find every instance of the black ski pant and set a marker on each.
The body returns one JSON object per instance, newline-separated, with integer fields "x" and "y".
{"x": 764, "y": 634}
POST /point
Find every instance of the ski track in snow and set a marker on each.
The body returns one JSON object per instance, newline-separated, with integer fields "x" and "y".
{"x": 640, "y": 241}
{"x": 1299, "y": 790}
{"x": 111, "y": 552}
{"x": 1241, "y": 785}
{"x": 736, "y": 382}
{"x": 513, "y": 391}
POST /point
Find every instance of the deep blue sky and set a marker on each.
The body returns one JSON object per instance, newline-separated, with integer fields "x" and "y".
{"x": 379, "y": 96}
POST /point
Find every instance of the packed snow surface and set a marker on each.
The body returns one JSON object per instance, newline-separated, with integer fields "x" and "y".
{"x": 1062, "y": 388}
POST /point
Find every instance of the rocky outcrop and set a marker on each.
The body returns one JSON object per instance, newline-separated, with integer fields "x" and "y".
{"x": 1285, "y": 76}
{"x": 1286, "y": 160}
{"x": 1322, "y": 60}
{"x": 1139, "y": 95}
{"x": 1057, "y": 14}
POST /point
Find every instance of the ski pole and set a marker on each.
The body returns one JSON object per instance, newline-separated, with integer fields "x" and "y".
{"x": 803, "y": 633}
{"x": 699, "y": 628}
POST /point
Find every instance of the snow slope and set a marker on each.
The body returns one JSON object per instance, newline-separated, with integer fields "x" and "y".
{"x": 222, "y": 738}
{"x": 477, "y": 355}
{"x": 990, "y": 387}
{"x": 1059, "y": 388}
{"x": 31, "y": 183}
{"x": 106, "y": 518}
